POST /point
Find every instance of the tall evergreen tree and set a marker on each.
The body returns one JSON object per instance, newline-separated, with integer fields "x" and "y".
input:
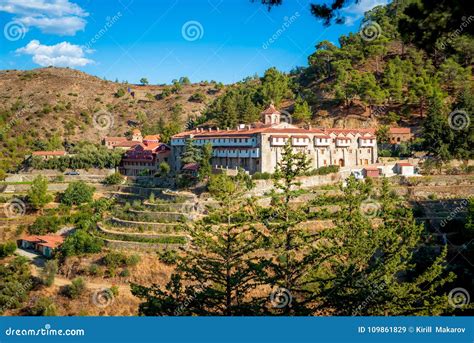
{"x": 371, "y": 264}
{"x": 221, "y": 268}
{"x": 290, "y": 250}
{"x": 191, "y": 153}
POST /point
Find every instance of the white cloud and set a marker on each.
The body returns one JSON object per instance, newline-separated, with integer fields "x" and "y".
{"x": 60, "y": 55}
{"x": 355, "y": 11}
{"x": 59, "y": 17}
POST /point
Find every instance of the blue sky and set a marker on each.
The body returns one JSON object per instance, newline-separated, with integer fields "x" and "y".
{"x": 223, "y": 40}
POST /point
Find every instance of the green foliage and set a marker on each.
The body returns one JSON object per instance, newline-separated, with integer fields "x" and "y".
{"x": 76, "y": 288}
{"x": 48, "y": 273}
{"x": 371, "y": 270}
{"x": 38, "y": 195}
{"x": 85, "y": 155}
{"x": 120, "y": 93}
{"x": 45, "y": 224}
{"x": 15, "y": 283}
{"x": 261, "y": 176}
{"x": 205, "y": 167}
{"x": 168, "y": 257}
{"x": 191, "y": 153}
{"x": 77, "y": 193}
{"x": 197, "y": 97}
{"x": 116, "y": 259}
{"x": 44, "y": 307}
{"x": 275, "y": 87}
{"x": 144, "y": 81}
{"x": 325, "y": 170}
{"x": 81, "y": 242}
{"x": 7, "y": 249}
{"x": 114, "y": 179}
{"x": 302, "y": 111}
{"x": 164, "y": 169}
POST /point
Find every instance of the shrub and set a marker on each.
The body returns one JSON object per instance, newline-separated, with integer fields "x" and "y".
{"x": 49, "y": 272}
{"x": 76, "y": 288}
{"x": 114, "y": 259}
{"x": 113, "y": 179}
{"x": 77, "y": 193}
{"x": 114, "y": 290}
{"x": 81, "y": 242}
{"x": 7, "y": 249}
{"x": 45, "y": 224}
{"x": 125, "y": 273}
{"x": 132, "y": 260}
{"x": 120, "y": 93}
{"x": 94, "y": 269}
{"x": 324, "y": 170}
{"x": 197, "y": 97}
{"x": 168, "y": 257}
{"x": 262, "y": 176}
{"x": 43, "y": 307}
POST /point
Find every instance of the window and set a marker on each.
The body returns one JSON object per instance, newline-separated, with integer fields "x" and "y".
{"x": 368, "y": 151}
{"x": 398, "y": 139}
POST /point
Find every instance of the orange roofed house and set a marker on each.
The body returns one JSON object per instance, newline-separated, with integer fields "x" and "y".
{"x": 258, "y": 147}
{"x": 144, "y": 159}
{"x": 45, "y": 245}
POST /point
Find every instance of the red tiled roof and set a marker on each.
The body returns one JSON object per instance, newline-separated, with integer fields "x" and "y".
{"x": 371, "y": 168}
{"x": 270, "y": 110}
{"x": 151, "y": 138}
{"x": 49, "y": 153}
{"x": 404, "y": 164}
{"x": 136, "y": 131}
{"x": 267, "y": 130}
{"x": 51, "y": 241}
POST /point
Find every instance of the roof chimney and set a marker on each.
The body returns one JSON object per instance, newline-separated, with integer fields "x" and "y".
{"x": 210, "y": 129}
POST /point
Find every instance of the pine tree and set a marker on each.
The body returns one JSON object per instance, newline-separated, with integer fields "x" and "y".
{"x": 205, "y": 167}
{"x": 191, "y": 153}
{"x": 221, "y": 268}
{"x": 371, "y": 264}
{"x": 290, "y": 250}
{"x": 302, "y": 112}
{"x": 437, "y": 134}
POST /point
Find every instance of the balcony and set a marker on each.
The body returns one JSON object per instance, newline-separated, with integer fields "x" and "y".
{"x": 343, "y": 142}
{"x": 300, "y": 141}
{"x": 367, "y": 142}
{"x": 322, "y": 141}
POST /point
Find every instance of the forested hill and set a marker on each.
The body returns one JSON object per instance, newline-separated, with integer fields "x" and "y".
{"x": 375, "y": 76}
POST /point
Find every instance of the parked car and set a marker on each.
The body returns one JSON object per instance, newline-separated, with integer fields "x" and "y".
{"x": 73, "y": 173}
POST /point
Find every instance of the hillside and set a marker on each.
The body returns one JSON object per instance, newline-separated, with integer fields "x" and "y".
{"x": 59, "y": 102}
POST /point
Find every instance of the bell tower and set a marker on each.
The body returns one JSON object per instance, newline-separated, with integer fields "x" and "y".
{"x": 271, "y": 116}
